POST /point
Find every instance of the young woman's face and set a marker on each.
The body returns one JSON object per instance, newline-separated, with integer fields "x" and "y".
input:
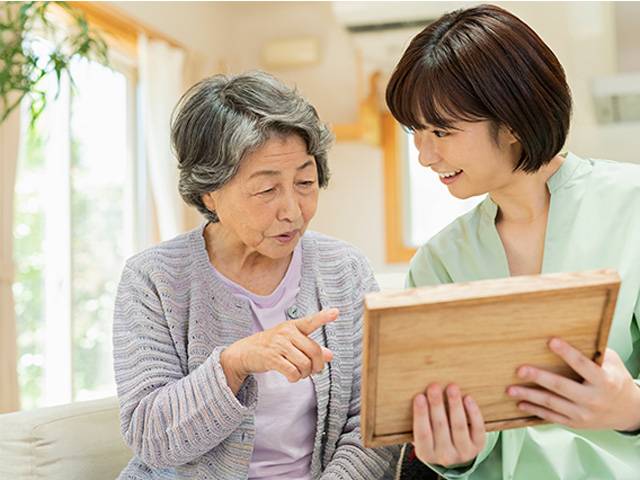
{"x": 268, "y": 204}
{"x": 467, "y": 159}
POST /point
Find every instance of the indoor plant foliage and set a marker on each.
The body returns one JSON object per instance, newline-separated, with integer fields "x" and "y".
{"x": 32, "y": 45}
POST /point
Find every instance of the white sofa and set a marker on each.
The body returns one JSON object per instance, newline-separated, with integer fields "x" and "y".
{"x": 77, "y": 441}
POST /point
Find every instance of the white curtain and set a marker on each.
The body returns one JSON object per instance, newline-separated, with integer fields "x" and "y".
{"x": 9, "y": 146}
{"x": 161, "y": 67}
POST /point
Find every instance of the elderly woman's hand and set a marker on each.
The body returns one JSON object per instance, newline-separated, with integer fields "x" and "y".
{"x": 285, "y": 348}
{"x": 607, "y": 398}
{"x": 452, "y": 439}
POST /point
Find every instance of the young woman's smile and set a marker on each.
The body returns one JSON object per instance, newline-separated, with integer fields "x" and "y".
{"x": 449, "y": 177}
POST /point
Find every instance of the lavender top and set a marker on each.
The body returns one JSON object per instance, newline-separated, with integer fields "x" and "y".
{"x": 286, "y": 412}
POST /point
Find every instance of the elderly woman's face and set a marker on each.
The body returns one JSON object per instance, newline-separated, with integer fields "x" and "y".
{"x": 268, "y": 204}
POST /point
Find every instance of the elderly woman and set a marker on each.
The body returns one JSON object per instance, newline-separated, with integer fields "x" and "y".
{"x": 238, "y": 344}
{"x": 490, "y": 109}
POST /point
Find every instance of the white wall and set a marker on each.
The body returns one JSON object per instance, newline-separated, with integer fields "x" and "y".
{"x": 200, "y": 27}
{"x": 628, "y": 36}
{"x": 331, "y": 84}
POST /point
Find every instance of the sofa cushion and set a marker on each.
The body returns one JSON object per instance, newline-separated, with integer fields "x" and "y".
{"x": 75, "y": 441}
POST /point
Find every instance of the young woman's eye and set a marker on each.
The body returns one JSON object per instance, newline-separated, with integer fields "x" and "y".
{"x": 440, "y": 133}
{"x": 409, "y": 130}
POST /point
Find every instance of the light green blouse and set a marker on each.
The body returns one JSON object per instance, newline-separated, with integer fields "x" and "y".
{"x": 594, "y": 222}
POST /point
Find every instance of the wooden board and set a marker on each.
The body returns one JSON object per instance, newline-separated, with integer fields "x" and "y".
{"x": 475, "y": 334}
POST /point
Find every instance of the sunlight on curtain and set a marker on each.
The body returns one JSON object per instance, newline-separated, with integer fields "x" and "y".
{"x": 161, "y": 81}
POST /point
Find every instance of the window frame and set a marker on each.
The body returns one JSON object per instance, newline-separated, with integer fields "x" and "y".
{"x": 121, "y": 35}
{"x": 58, "y": 314}
{"x": 394, "y": 172}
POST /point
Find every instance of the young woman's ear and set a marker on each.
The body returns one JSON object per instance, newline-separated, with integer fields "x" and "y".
{"x": 509, "y": 135}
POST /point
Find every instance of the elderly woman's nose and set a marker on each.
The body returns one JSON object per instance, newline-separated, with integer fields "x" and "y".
{"x": 289, "y": 206}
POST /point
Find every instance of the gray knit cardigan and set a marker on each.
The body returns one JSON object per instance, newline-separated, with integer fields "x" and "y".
{"x": 173, "y": 317}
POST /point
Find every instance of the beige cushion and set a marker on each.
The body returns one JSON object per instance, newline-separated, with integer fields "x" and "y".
{"x": 75, "y": 441}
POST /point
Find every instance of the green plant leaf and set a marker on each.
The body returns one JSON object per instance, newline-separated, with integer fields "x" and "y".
{"x": 21, "y": 67}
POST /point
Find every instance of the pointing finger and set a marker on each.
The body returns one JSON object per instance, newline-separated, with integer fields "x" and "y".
{"x": 307, "y": 325}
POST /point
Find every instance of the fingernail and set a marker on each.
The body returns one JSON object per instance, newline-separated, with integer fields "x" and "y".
{"x": 523, "y": 372}
{"x": 469, "y": 402}
{"x": 433, "y": 391}
{"x": 421, "y": 400}
{"x": 554, "y": 344}
{"x": 453, "y": 392}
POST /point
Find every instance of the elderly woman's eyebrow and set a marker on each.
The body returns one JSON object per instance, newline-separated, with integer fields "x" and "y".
{"x": 276, "y": 172}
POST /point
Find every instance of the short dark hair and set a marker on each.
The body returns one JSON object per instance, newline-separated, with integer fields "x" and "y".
{"x": 484, "y": 64}
{"x": 223, "y": 118}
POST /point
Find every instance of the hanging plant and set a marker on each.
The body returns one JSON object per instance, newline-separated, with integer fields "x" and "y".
{"x": 24, "y": 61}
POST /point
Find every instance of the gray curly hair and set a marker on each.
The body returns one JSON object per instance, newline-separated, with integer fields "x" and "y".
{"x": 223, "y": 118}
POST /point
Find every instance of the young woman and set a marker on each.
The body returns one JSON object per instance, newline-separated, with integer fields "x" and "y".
{"x": 490, "y": 109}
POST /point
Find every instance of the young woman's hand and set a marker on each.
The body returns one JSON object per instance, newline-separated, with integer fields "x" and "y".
{"x": 285, "y": 348}
{"x": 447, "y": 440}
{"x": 607, "y": 398}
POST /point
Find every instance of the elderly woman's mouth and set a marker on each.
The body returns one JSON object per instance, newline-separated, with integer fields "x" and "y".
{"x": 287, "y": 236}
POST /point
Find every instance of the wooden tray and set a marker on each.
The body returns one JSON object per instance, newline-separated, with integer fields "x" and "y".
{"x": 475, "y": 334}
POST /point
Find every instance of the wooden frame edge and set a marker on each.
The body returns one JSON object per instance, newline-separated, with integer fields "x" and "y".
{"x": 608, "y": 280}
{"x": 369, "y": 381}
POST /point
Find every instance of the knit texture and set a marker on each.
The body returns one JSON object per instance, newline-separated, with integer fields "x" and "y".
{"x": 173, "y": 317}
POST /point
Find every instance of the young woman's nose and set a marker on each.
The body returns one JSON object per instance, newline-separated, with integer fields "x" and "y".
{"x": 427, "y": 152}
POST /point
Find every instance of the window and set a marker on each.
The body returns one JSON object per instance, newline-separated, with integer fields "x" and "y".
{"x": 79, "y": 195}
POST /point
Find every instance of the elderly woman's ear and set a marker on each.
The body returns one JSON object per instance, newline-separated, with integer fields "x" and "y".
{"x": 209, "y": 201}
